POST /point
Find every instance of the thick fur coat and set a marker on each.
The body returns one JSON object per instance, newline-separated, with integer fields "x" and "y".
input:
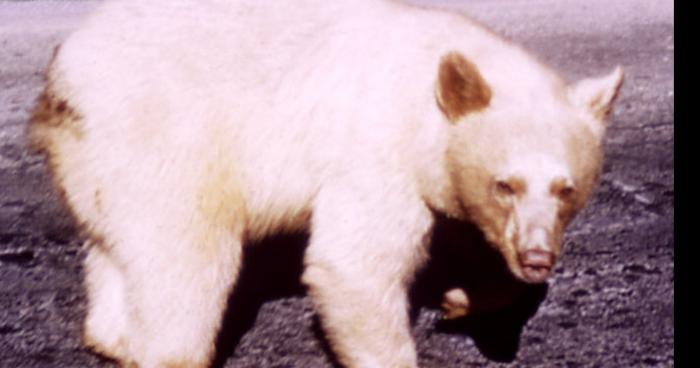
{"x": 178, "y": 130}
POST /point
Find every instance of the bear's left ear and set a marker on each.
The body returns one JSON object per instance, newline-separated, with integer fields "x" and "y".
{"x": 460, "y": 87}
{"x": 597, "y": 95}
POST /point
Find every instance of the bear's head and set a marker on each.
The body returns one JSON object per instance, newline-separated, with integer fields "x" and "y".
{"x": 524, "y": 154}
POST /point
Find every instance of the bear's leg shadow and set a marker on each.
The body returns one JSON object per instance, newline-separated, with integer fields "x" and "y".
{"x": 363, "y": 252}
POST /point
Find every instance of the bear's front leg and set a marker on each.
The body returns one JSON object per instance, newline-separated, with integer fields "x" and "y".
{"x": 364, "y": 250}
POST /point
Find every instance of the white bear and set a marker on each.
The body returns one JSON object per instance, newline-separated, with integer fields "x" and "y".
{"x": 178, "y": 130}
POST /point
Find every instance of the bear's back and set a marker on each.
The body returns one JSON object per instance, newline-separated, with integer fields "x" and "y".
{"x": 268, "y": 61}
{"x": 283, "y": 94}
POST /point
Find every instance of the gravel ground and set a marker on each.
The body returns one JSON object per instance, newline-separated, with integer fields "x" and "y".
{"x": 609, "y": 304}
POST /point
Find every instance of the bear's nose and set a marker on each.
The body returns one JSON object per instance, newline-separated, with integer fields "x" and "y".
{"x": 537, "y": 258}
{"x": 536, "y": 264}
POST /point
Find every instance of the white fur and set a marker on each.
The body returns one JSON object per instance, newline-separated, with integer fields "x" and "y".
{"x": 204, "y": 124}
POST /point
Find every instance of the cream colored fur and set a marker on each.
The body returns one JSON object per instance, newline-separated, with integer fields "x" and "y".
{"x": 198, "y": 125}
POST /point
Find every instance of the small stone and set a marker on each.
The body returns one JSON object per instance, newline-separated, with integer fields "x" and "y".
{"x": 643, "y": 199}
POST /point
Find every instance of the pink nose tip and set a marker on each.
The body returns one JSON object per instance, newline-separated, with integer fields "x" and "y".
{"x": 536, "y": 264}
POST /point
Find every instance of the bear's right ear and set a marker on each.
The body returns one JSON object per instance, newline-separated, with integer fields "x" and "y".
{"x": 597, "y": 95}
{"x": 460, "y": 87}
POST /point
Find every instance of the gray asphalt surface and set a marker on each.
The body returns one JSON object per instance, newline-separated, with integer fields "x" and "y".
{"x": 609, "y": 304}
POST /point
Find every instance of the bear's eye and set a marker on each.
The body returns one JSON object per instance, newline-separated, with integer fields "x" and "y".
{"x": 563, "y": 188}
{"x": 504, "y": 188}
{"x": 566, "y": 192}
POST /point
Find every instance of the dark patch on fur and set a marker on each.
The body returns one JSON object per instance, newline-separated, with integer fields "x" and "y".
{"x": 62, "y": 106}
{"x": 53, "y": 115}
{"x": 52, "y": 112}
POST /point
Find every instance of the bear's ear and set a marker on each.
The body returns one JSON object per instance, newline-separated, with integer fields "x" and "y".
{"x": 597, "y": 95}
{"x": 460, "y": 87}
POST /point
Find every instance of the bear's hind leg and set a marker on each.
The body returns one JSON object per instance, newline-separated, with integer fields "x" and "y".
{"x": 177, "y": 291}
{"x": 105, "y": 324}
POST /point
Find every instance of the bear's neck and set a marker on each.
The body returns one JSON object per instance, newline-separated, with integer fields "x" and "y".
{"x": 432, "y": 171}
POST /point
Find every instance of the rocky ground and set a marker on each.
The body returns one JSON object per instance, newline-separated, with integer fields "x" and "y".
{"x": 609, "y": 304}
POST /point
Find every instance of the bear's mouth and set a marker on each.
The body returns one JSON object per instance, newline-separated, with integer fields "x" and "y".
{"x": 535, "y": 274}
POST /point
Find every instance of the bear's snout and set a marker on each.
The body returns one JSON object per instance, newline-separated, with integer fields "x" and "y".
{"x": 536, "y": 264}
